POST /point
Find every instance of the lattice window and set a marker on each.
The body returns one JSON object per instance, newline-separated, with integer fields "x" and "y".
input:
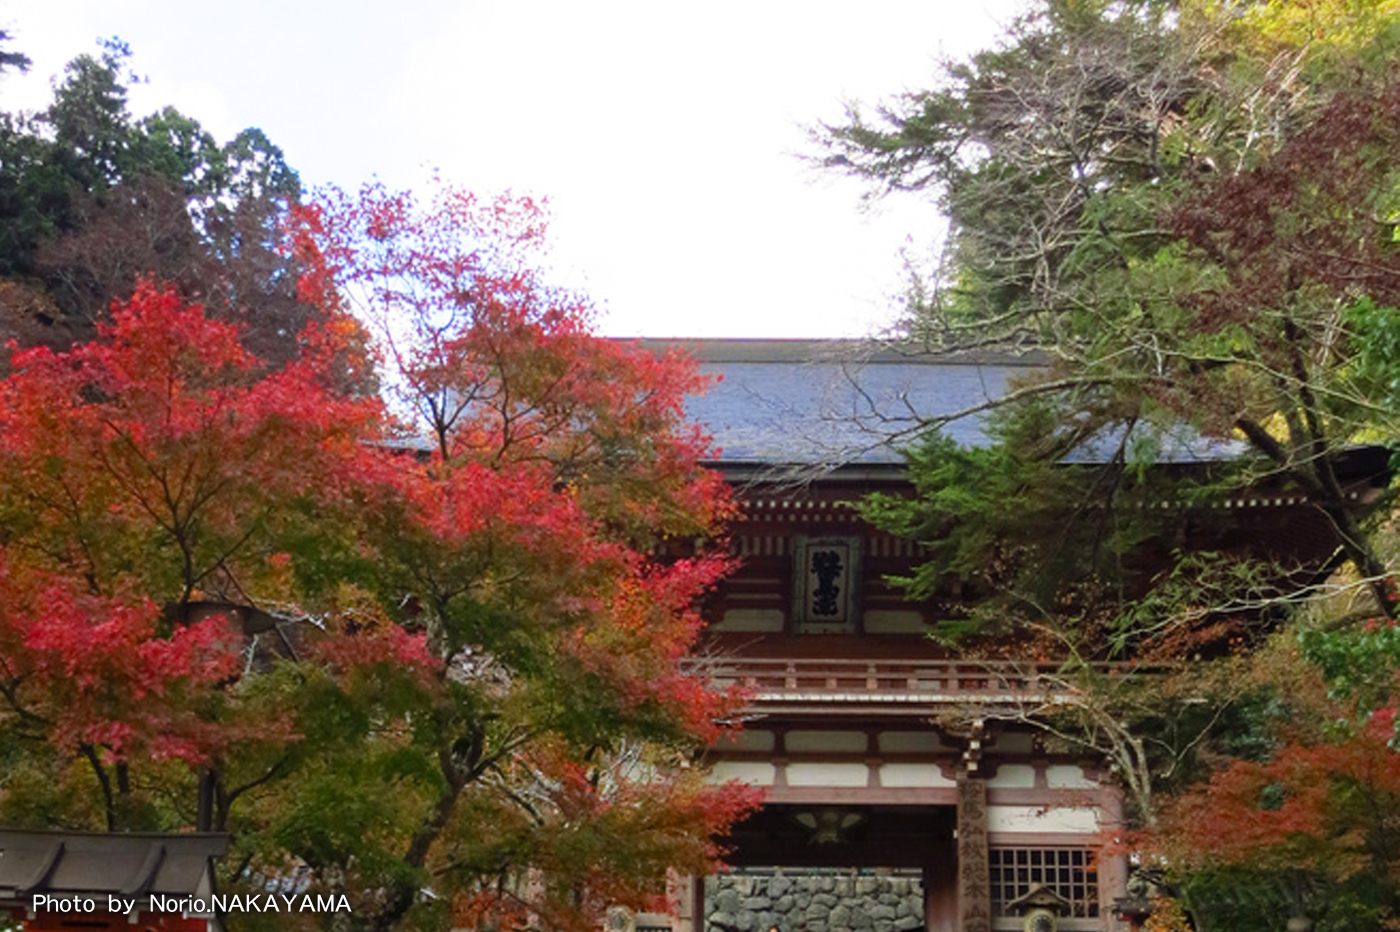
{"x": 1068, "y": 871}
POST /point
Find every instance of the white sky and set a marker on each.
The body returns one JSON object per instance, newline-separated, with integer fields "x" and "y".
{"x": 665, "y": 134}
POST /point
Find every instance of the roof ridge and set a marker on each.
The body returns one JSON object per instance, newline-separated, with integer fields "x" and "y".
{"x": 838, "y": 350}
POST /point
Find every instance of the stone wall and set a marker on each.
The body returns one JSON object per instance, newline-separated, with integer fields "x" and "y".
{"x": 795, "y": 901}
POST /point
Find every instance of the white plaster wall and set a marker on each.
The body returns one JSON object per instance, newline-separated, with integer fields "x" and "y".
{"x": 798, "y": 742}
{"x": 847, "y": 774}
{"x": 893, "y": 621}
{"x": 1014, "y": 775}
{"x": 1068, "y": 777}
{"x": 755, "y": 773}
{"x": 1015, "y": 743}
{"x": 1067, "y": 819}
{"x": 916, "y": 775}
{"x": 750, "y": 619}
{"x": 910, "y": 742}
{"x": 747, "y": 739}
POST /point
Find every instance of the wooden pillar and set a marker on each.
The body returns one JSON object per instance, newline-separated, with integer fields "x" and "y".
{"x": 697, "y": 903}
{"x": 940, "y": 878}
{"x": 685, "y": 897}
{"x": 974, "y": 869}
{"x": 1113, "y": 871}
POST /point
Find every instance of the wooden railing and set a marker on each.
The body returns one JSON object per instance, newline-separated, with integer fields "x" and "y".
{"x": 892, "y": 680}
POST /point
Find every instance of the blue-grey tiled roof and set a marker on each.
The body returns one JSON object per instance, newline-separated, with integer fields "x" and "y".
{"x": 834, "y": 402}
{"x": 846, "y": 402}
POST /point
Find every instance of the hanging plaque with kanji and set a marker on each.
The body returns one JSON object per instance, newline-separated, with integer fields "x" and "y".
{"x": 828, "y": 575}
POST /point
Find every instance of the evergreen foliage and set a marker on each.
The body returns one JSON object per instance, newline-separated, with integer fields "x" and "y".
{"x": 92, "y": 198}
{"x": 1188, "y": 209}
{"x": 1189, "y": 213}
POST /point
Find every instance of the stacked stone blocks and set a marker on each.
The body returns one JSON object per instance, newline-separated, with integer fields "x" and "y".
{"x": 825, "y": 902}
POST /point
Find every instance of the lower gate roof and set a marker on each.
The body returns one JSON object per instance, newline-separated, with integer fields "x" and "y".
{"x": 101, "y": 863}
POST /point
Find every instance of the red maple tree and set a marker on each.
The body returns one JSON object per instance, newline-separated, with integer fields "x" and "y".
{"x": 243, "y": 598}
{"x": 548, "y": 530}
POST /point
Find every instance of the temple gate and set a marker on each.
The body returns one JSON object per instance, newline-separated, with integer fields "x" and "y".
{"x": 883, "y": 755}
